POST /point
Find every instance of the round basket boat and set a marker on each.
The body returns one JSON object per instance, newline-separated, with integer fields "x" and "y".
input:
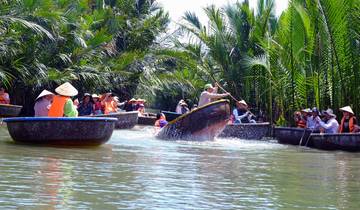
{"x": 62, "y": 131}
{"x": 170, "y": 116}
{"x": 146, "y": 120}
{"x": 126, "y": 120}
{"x": 8, "y": 110}
{"x": 249, "y": 131}
{"x": 341, "y": 141}
{"x": 292, "y": 136}
{"x": 201, "y": 124}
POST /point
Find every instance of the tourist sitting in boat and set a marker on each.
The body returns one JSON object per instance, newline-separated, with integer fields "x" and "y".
{"x": 86, "y": 106}
{"x": 160, "y": 120}
{"x": 4, "y": 96}
{"x": 311, "y": 120}
{"x": 43, "y": 103}
{"x": 184, "y": 108}
{"x": 110, "y": 105}
{"x": 332, "y": 125}
{"x": 141, "y": 110}
{"x": 62, "y": 104}
{"x": 242, "y": 114}
{"x": 97, "y": 107}
{"x": 178, "y": 106}
{"x": 299, "y": 120}
{"x": 130, "y": 105}
{"x": 348, "y": 122}
{"x": 210, "y": 94}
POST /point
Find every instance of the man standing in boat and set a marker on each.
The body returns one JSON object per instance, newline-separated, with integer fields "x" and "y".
{"x": 210, "y": 94}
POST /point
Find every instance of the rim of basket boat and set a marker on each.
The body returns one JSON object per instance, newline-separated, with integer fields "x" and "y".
{"x": 334, "y": 134}
{"x": 199, "y": 108}
{"x": 31, "y": 119}
{"x": 11, "y": 105}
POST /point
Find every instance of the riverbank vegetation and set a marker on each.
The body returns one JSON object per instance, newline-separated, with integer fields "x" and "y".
{"x": 308, "y": 56}
{"x": 97, "y": 45}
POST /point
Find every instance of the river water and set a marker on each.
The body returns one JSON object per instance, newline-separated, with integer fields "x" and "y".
{"x": 136, "y": 171}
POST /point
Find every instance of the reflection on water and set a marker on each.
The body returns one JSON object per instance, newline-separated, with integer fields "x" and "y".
{"x": 136, "y": 171}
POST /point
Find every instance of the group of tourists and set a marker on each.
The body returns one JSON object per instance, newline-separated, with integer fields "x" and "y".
{"x": 326, "y": 122}
{"x": 48, "y": 104}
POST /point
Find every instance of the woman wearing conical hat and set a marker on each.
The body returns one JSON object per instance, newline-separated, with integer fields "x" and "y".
{"x": 43, "y": 103}
{"x": 348, "y": 122}
{"x": 62, "y": 105}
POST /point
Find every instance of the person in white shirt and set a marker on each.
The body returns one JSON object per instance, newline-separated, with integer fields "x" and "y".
{"x": 209, "y": 94}
{"x": 311, "y": 121}
{"x": 178, "y": 107}
{"x": 332, "y": 125}
{"x": 242, "y": 114}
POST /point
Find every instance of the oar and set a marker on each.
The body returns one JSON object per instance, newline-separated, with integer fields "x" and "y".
{"x": 302, "y": 137}
{"x": 231, "y": 96}
{"x": 307, "y": 141}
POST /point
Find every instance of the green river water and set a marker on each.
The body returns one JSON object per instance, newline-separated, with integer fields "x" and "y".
{"x": 136, "y": 171}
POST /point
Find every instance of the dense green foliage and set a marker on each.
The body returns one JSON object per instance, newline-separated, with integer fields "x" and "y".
{"x": 98, "y": 45}
{"x": 309, "y": 56}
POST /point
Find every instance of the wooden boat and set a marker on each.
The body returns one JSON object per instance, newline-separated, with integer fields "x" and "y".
{"x": 292, "y": 136}
{"x": 147, "y": 120}
{"x": 201, "y": 124}
{"x": 340, "y": 141}
{"x": 250, "y": 131}
{"x": 126, "y": 120}
{"x": 62, "y": 131}
{"x": 170, "y": 116}
{"x": 8, "y": 110}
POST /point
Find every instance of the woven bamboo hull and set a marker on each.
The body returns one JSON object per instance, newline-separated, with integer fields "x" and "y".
{"x": 250, "y": 131}
{"x": 201, "y": 124}
{"x": 126, "y": 120}
{"x": 346, "y": 142}
{"x": 81, "y": 131}
{"x": 7, "y": 110}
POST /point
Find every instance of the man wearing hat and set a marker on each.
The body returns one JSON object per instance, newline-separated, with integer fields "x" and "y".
{"x": 348, "y": 122}
{"x": 311, "y": 120}
{"x": 241, "y": 113}
{"x": 130, "y": 105}
{"x": 43, "y": 103}
{"x": 184, "y": 107}
{"x": 209, "y": 94}
{"x": 62, "y": 105}
{"x": 332, "y": 125}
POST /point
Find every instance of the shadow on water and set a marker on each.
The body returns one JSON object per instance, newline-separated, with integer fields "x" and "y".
{"x": 135, "y": 170}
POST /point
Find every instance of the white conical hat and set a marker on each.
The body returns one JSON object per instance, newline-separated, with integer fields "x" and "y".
{"x": 347, "y": 109}
{"x": 44, "y": 93}
{"x": 242, "y": 102}
{"x": 66, "y": 89}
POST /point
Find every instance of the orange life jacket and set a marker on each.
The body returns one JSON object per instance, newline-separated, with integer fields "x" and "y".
{"x": 351, "y": 124}
{"x": 3, "y": 100}
{"x": 57, "y": 106}
{"x": 301, "y": 123}
{"x": 110, "y": 107}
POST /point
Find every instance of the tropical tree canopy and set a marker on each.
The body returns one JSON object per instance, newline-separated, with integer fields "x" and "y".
{"x": 309, "y": 56}
{"x": 97, "y": 45}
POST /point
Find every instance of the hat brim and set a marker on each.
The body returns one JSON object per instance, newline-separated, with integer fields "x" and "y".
{"x": 66, "y": 89}
{"x": 44, "y": 93}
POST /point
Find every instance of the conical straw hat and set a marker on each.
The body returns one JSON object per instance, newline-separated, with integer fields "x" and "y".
{"x": 66, "y": 89}
{"x": 44, "y": 93}
{"x": 347, "y": 109}
{"x": 242, "y": 102}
